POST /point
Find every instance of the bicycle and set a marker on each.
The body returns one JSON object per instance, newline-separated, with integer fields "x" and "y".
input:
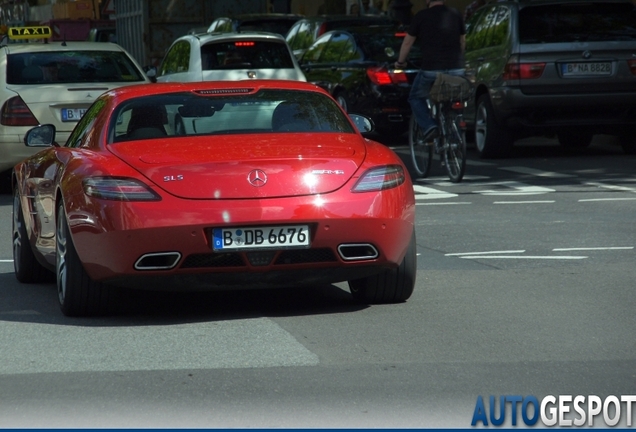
{"x": 446, "y": 103}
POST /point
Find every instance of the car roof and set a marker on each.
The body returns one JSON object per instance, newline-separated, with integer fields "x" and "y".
{"x": 211, "y": 87}
{"x": 222, "y": 36}
{"x": 16, "y": 48}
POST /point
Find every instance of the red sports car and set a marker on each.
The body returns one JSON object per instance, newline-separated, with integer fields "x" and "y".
{"x": 213, "y": 185}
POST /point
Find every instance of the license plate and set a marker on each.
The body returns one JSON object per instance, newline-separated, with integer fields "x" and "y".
{"x": 72, "y": 114}
{"x": 287, "y": 236}
{"x": 586, "y": 69}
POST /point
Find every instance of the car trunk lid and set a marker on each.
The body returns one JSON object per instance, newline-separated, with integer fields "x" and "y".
{"x": 245, "y": 166}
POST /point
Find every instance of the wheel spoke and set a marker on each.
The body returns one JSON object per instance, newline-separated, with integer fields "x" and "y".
{"x": 60, "y": 264}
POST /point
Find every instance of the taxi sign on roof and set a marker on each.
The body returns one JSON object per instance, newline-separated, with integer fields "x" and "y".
{"x": 35, "y": 32}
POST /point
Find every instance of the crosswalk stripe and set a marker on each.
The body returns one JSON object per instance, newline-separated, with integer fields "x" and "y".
{"x": 535, "y": 172}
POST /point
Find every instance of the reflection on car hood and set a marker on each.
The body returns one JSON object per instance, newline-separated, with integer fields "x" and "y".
{"x": 219, "y": 167}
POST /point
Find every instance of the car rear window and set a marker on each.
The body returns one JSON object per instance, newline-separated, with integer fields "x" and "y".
{"x": 56, "y": 67}
{"x": 237, "y": 112}
{"x": 246, "y": 54}
{"x": 586, "y": 22}
{"x": 385, "y": 46}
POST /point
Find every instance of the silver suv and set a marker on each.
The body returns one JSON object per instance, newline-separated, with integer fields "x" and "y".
{"x": 545, "y": 67}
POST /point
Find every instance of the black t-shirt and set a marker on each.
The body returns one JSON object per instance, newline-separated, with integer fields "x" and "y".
{"x": 438, "y": 30}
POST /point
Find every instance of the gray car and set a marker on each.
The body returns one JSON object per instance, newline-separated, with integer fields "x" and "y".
{"x": 552, "y": 67}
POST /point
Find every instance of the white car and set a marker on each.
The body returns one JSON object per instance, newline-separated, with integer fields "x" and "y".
{"x": 229, "y": 56}
{"x": 54, "y": 83}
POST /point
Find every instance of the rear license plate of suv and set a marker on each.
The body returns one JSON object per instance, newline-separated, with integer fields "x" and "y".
{"x": 586, "y": 69}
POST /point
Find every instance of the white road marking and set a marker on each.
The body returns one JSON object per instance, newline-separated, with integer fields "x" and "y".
{"x": 479, "y": 163}
{"x": 611, "y": 187}
{"x": 523, "y": 202}
{"x": 517, "y": 189}
{"x": 535, "y": 172}
{"x": 553, "y": 257}
{"x": 441, "y": 203}
{"x": 242, "y": 343}
{"x": 423, "y": 192}
{"x": 485, "y": 253}
{"x": 606, "y": 199}
{"x": 593, "y": 248}
{"x": 6, "y": 260}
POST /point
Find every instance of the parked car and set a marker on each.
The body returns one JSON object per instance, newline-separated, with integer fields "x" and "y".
{"x": 229, "y": 56}
{"x": 356, "y": 68}
{"x": 278, "y": 23}
{"x": 563, "y": 67}
{"x": 305, "y": 31}
{"x": 275, "y": 186}
{"x": 53, "y": 82}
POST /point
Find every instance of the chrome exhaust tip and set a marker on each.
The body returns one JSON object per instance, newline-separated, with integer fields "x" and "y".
{"x": 158, "y": 261}
{"x": 357, "y": 251}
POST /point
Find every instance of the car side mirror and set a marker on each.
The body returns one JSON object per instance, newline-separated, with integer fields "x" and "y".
{"x": 40, "y": 136}
{"x": 151, "y": 73}
{"x": 363, "y": 123}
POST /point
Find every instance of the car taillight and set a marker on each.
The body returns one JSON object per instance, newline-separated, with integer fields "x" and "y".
{"x": 16, "y": 113}
{"x": 523, "y": 70}
{"x": 322, "y": 29}
{"x": 382, "y": 76}
{"x": 380, "y": 178}
{"x": 118, "y": 189}
{"x": 632, "y": 66}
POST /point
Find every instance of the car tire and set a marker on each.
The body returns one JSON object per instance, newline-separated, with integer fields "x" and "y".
{"x": 78, "y": 294}
{"x": 491, "y": 139}
{"x": 26, "y": 267}
{"x": 571, "y": 139}
{"x": 391, "y": 285}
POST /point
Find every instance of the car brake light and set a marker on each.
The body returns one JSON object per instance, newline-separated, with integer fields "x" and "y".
{"x": 118, "y": 189}
{"x": 322, "y": 29}
{"x": 16, "y": 113}
{"x": 380, "y": 178}
{"x": 243, "y": 44}
{"x": 382, "y": 76}
{"x": 632, "y": 66}
{"x": 523, "y": 70}
{"x": 400, "y": 34}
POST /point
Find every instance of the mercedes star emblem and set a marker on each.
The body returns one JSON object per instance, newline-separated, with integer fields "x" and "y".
{"x": 257, "y": 178}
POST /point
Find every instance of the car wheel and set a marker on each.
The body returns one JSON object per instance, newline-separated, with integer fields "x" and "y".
{"x": 574, "y": 139}
{"x": 491, "y": 140}
{"x": 26, "y": 267}
{"x": 391, "y": 285}
{"x": 342, "y": 100}
{"x": 78, "y": 294}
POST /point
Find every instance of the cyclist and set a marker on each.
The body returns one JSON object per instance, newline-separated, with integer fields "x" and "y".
{"x": 440, "y": 32}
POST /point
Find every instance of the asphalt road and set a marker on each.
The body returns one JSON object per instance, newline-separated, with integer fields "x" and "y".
{"x": 525, "y": 287}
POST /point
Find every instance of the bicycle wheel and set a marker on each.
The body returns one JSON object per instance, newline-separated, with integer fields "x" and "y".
{"x": 421, "y": 152}
{"x": 454, "y": 150}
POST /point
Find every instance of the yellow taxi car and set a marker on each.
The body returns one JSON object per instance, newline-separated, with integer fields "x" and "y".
{"x": 53, "y": 82}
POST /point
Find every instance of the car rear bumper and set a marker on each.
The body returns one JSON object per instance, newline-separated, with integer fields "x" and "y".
{"x": 513, "y": 109}
{"x": 384, "y": 221}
